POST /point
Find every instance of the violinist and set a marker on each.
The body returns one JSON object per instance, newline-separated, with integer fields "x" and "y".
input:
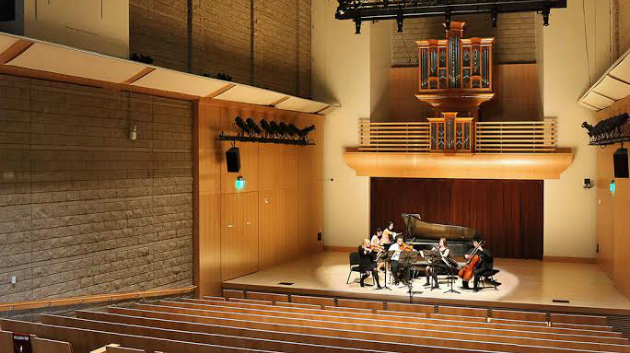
{"x": 389, "y": 234}
{"x": 442, "y": 265}
{"x": 485, "y": 266}
{"x": 367, "y": 263}
{"x": 376, "y": 238}
{"x": 398, "y": 267}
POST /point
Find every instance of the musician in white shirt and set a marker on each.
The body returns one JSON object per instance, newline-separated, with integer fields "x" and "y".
{"x": 397, "y": 267}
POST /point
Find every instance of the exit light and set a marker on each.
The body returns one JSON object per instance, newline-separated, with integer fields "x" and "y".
{"x": 240, "y": 183}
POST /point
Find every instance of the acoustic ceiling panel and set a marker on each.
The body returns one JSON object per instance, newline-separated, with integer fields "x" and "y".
{"x": 252, "y": 95}
{"x": 622, "y": 70}
{"x": 301, "y": 105}
{"x": 6, "y": 42}
{"x": 72, "y": 62}
{"x": 596, "y": 100}
{"x": 180, "y": 82}
{"x": 612, "y": 88}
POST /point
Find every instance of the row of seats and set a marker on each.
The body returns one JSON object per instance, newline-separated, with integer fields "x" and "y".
{"x": 43, "y": 345}
{"x": 309, "y": 325}
{"x": 435, "y": 311}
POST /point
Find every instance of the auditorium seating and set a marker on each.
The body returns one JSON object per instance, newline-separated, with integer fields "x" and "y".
{"x": 252, "y": 321}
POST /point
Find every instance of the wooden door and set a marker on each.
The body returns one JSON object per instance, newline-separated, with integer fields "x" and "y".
{"x": 249, "y": 243}
{"x": 231, "y": 230}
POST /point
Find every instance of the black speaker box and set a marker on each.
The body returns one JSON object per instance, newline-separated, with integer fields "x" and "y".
{"x": 620, "y": 160}
{"x": 7, "y": 10}
{"x": 233, "y": 158}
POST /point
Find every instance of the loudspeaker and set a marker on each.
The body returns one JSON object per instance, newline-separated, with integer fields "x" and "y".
{"x": 7, "y": 10}
{"x": 620, "y": 160}
{"x": 233, "y": 158}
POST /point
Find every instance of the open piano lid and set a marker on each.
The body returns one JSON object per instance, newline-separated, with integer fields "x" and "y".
{"x": 416, "y": 228}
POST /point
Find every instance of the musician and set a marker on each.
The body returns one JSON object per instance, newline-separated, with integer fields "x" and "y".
{"x": 484, "y": 268}
{"x": 367, "y": 263}
{"x": 398, "y": 267}
{"x": 389, "y": 234}
{"x": 443, "y": 265}
{"x": 376, "y": 238}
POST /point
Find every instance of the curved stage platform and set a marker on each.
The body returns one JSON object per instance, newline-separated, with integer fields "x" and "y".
{"x": 526, "y": 284}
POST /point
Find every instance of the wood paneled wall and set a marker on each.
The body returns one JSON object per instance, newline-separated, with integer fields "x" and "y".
{"x": 517, "y": 95}
{"x": 279, "y": 214}
{"x": 508, "y": 213}
{"x": 613, "y": 234}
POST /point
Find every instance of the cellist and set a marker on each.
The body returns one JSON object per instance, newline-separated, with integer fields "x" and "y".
{"x": 484, "y": 268}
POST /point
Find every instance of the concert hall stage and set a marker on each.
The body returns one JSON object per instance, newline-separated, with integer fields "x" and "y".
{"x": 526, "y": 284}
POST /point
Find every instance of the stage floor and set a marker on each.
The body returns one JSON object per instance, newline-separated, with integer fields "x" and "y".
{"x": 529, "y": 284}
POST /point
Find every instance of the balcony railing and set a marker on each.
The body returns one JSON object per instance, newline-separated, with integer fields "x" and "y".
{"x": 489, "y": 137}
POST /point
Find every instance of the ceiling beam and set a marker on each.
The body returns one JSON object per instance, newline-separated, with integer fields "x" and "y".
{"x": 14, "y": 51}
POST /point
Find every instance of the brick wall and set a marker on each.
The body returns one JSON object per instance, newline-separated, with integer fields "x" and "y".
{"x": 623, "y": 26}
{"x": 515, "y": 36}
{"x": 84, "y": 210}
{"x": 265, "y": 43}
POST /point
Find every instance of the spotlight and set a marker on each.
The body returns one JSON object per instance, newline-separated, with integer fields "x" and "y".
{"x": 294, "y": 130}
{"x": 399, "y": 22}
{"x": 265, "y": 125}
{"x": 284, "y": 129}
{"x": 385, "y": 3}
{"x": 306, "y": 131}
{"x": 253, "y": 126}
{"x": 242, "y": 125}
{"x": 447, "y": 19}
{"x": 275, "y": 128}
{"x": 545, "y": 14}
{"x": 494, "y": 17}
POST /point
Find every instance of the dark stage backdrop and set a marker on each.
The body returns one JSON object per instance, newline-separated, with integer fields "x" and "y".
{"x": 509, "y": 213}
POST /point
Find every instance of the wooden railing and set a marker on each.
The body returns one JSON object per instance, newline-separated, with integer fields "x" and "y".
{"x": 515, "y": 136}
{"x": 393, "y": 137}
{"x": 489, "y": 137}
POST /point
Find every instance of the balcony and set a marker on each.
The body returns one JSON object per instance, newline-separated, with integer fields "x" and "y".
{"x": 453, "y": 147}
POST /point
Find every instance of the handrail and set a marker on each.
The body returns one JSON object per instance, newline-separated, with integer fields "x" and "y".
{"x": 489, "y": 137}
{"x": 91, "y": 299}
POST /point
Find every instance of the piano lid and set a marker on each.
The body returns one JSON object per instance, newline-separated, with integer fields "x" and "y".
{"x": 416, "y": 228}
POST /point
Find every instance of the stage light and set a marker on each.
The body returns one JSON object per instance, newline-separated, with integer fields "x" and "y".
{"x": 447, "y": 19}
{"x": 242, "y": 125}
{"x": 275, "y": 128}
{"x": 285, "y": 129}
{"x": 294, "y": 129}
{"x": 399, "y": 22}
{"x": 240, "y": 183}
{"x": 306, "y": 131}
{"x": 494, "y": 17}
{"x": 253, "y": 126}
{"x": 545, "y": 14}
{"x": 265, "y": 125}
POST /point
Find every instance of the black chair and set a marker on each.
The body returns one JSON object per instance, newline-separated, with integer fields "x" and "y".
{"x": 354, "y": 265}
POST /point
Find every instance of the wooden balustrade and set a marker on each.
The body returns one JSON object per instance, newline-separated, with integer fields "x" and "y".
{"x": 489, "y": 137}
{"x": 393, "y": 137}
{"x": 516, "y": 136}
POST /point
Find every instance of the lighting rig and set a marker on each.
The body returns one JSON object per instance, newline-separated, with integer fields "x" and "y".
{"x": 609, "y": 131}
{"x": 399, "y": 10}
{"x": 269, "y": 132}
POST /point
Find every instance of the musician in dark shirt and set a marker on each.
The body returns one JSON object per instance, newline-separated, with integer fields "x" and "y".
{"x": 367, "y": 262}
{"x": 484, "y": 268}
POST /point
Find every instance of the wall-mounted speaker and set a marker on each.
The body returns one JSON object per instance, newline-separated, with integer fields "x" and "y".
{"x": 233, "y": 158}
{"x": 620, "y": 160}
{"x": 7, "y": 10}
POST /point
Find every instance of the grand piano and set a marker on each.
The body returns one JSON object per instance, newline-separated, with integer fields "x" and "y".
{"x": 423, "y": 235}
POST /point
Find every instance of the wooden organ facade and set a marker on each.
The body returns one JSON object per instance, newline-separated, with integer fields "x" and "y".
{"x": 455, "y": 74}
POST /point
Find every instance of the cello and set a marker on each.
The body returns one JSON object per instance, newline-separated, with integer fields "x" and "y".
{"x": 467, "y": 271}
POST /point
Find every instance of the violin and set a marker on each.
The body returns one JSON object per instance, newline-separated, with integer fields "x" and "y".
{"x": 467, "y": 272}
{"x": 376, "y": 247}
{"x": 406, "y": 247}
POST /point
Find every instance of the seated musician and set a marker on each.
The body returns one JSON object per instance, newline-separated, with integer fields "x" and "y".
{"x": 376, "y": 238}
{"x": 399, "y": 269}
{"x": 440, "y": 266}
{"x": 484, "y": 268}
{"x": 389, "y": 234}
{"x": 367, "y": 263}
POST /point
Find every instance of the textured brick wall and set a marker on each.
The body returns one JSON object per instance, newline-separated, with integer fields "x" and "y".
{"x": 623, "y": 26}
{"x": 265, "y": 43}
{"x": 84, "y": 210}
{"x": 515, "y": 36}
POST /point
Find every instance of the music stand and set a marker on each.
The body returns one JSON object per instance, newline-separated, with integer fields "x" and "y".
{"x": 432, "y": 256}
{"x": 386, "y": 258}
{"x": 408, "y": 257}
{"x": 451, "y": 278}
